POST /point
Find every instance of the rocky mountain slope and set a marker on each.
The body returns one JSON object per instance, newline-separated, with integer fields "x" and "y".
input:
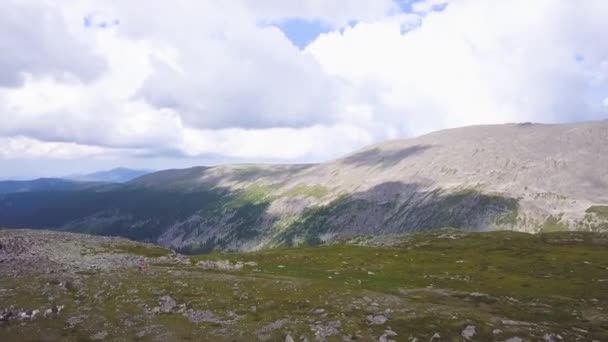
{"x": 446, "y": 285}
{"x": 528, "y": 177}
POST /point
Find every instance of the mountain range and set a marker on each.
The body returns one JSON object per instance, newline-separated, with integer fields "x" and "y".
{"x": 525, "y": 177}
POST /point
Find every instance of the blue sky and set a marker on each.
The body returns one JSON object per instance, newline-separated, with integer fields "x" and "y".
{"x": 301, "y": 31}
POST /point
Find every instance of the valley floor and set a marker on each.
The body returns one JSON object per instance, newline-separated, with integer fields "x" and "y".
{"x": 441, "y": 286}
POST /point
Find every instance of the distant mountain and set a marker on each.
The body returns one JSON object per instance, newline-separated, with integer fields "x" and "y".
{"x": 44, "y": 184}
{"x": 118, "y": 175}
{"x": 527, "y": 177}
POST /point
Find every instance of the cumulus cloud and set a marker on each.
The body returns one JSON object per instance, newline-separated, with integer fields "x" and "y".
{"x": 336, "y": 13}
{"x": 476, "y": 62}
{"x": 277, "y": 143}
{"x": 190, "y": 79}
{"x": 34, "y": 40}
{"x": 35, "y": 149}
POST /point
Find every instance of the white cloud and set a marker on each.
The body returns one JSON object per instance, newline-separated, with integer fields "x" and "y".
{"x": 276, "y": 143}
{"x": 26, "y": 148}
{"x": 203, "y": 78}
{"x": 426, "y": 6}
{"x": 476, "y": 62}
{"x": 35, "y": 39}
{"x": 336, "y": 13}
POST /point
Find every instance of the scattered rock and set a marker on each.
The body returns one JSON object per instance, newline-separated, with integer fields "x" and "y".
{"x": 384, "y": 338}
{"x": 552, "y": 338}
{"x": 100, "y": 336}
{"x": 435, "y": 336}
{"x": 496, "y": 331}
{"x": 75, "y": 320}
{"x": 389, "y": 332}
{"x": 376, "y": 320}
{"x": 322, "y": 331}
{"x": 516, "y": 323}
{"x": 167, "y": 304}
{"x": 513, "y": 339}
{"x": 278, "y": 324}
{"x": 196, "y": 316}
{"x": 34, "y": 314}
{"x": 288, "y": 338}
{"x": 318, "y": 311}
{"x": 469, "y": 332}
{"x": 5, "y": 316}
{"x": 224, "y": 265}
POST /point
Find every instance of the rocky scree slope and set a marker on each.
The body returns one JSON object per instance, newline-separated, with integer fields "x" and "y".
{"x": 528, "y": 177}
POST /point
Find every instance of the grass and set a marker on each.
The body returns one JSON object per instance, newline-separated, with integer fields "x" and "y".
{"x": 426, "y": 281}
{"x": 145, "y": 251}
{"x": 553, "y": 224}
{"x": 314, "y": 191}
{"x": 251, "y": 195}
{"x": 600, "y": 210}
{"x": 500, "y": 263}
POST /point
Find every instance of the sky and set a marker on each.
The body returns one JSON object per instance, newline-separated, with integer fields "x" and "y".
{"x": 90, "y": 84}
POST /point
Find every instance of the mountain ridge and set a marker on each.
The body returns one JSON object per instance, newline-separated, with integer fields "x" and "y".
{"x": 44, "y": 184}
{"x": 528, "y": 177}
{"x": 115, "y": 175}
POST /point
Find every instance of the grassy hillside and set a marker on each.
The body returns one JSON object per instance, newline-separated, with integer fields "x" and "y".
{"x": 223, "y": 219}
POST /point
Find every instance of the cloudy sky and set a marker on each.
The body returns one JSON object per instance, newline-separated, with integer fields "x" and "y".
{"x": 92, "y": 84}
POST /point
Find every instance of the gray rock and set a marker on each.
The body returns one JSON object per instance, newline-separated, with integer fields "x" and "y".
{"x": 167, "y": 304}
{"x": 514, "y": 339}
{"x": 384, "y": 338}
{"x": 390, "y": 332}
{"x": 202, "y": 316}
{"x": 552, "y": 338}
{"x": 318, "y": 311}
{"x": 100, "y": 336}
{"x": 288, "y": 338}
{"x": 377, "y": 320}
{"x": 278, "y": 324}
{"x": 469, "y": 332}
{"x": 5, "y": 316}
{"x": 322, "y": 331}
